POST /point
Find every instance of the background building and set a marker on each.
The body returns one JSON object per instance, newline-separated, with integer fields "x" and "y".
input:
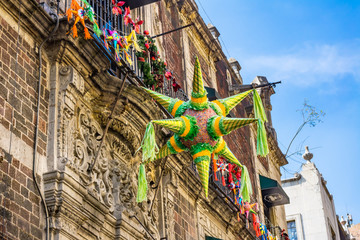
{"x": 64, "y": 176}
{"x": 355, "y": 231}
{"x": 311, "y": 212}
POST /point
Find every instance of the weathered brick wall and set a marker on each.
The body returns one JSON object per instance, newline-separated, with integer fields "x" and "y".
{"x": 204, "y": 66}
{"x": 172, "y": 43}
{"x": 19, "y": 211}
{"x": 223, "y": 85}
{"x": 19, "y": 200}
{"x": 23, "y": 102}
{"x": 185, "y": 218}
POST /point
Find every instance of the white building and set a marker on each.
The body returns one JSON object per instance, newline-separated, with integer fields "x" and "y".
{"x": 311, "y": 212}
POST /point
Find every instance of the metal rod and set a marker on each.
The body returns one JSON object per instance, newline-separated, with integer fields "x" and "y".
{"x": 246, "y": 87}
{"x": 174, "y": 30}
{"x": 91, "y": 166}
{"x": 267, "y": 84}
{"x": 134, "y": 216}
{"x": 36, "y": 137}
{"x": 157, "y": 185}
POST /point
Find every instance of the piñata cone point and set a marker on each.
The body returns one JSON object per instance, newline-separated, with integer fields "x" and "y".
{"x": 230, "y": 124}
{"x": 174, "y": 125}
{"x": 203, "y": 170}
{"x": 229, "y": 156}
{"x": 198, "y": 84}
{"x": 163, "y": 152}
{"x": 162, "y": 99}
{"x": 232, "y": 101}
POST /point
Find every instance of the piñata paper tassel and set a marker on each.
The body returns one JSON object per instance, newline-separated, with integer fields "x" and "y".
{"x": 148, "y": 144}
{"x": 246, "y": 188}
{"x": 142, "y": 185}
{"x": 259, "y": 112}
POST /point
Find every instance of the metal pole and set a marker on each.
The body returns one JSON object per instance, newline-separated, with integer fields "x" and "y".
{"x": 91, "y": 166}
{"x": 134, "y": 216}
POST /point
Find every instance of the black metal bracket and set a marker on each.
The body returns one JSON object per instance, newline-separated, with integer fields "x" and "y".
{"x": 174, "y": 30}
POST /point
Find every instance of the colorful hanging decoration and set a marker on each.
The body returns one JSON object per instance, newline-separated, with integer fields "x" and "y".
{"x": 248, "y": 208}
{"x": 153, "y": 68}
{"x": 263, "y": 232}
{"x": 222, "y": 168}
{"x": 199, "y": 126}
{"x": 284, "y": 235}
{"x": 90, "y": 14}
{"x": 256, "y": 225}
{"x": 128, "y": 20}
{"x": 116, "y": 9}
{"x": 81, "y": 14}
{"x": 127, "y": 16}
{"x": 234, "y": 185}
{"x": 120, "y": 44}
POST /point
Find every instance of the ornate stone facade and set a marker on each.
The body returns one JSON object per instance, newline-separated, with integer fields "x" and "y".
{"x": 88, "y": 179}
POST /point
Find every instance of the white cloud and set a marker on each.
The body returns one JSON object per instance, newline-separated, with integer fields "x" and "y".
{"x": 309, "y": 65}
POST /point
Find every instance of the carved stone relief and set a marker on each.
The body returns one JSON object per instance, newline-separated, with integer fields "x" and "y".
{"x": 122, "y": 127}
{"x": 124, "y": 189}
{"x": 169, "y": 218}
{"x": 113, "y": 179}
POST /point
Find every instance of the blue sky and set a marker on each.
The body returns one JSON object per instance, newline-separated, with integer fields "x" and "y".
{"x": 313, "y": 47}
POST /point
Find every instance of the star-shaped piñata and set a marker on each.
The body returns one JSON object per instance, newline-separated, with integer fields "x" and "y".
{"x": 198, "y": 127}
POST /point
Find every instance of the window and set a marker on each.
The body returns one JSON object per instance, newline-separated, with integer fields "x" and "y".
{"x": 291, "y": 225}
{"x": 211, "y": 238}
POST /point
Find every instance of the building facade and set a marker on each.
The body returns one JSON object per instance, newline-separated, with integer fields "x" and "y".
{"x": 311, "y": 212}
{"x": 69, "y": 158}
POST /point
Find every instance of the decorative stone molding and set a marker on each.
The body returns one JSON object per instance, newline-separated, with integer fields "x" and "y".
{"x": 69, "y": 75}
{"x": 124, "y": 129}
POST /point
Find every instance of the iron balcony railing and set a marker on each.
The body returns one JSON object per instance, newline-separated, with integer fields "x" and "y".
{"x": 104, "y": 16}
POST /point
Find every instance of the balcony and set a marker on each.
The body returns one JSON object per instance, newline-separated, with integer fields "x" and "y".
{"x": 104, "y": 15}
